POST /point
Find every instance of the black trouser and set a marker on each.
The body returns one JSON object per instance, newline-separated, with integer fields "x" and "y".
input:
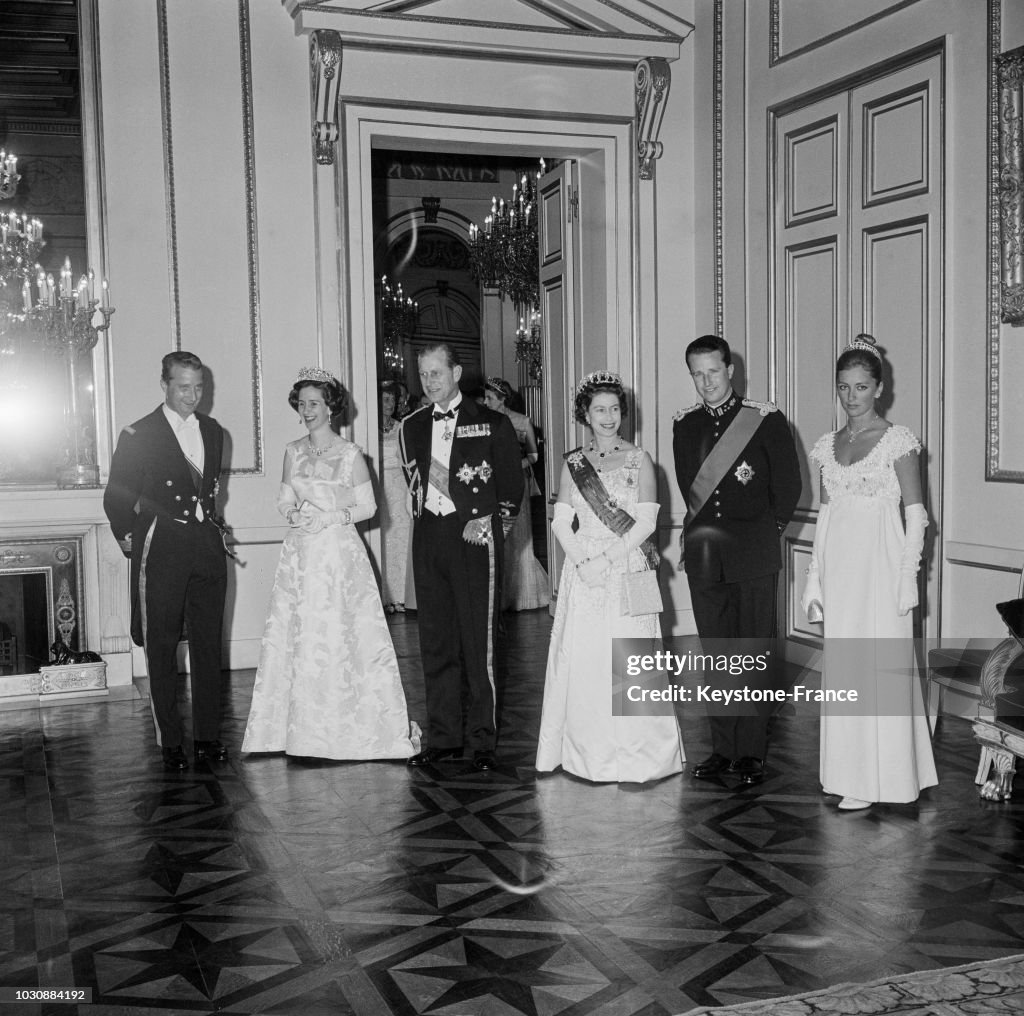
{"x": 183, "y": 576}
{"x": 457, "y": 590}
{"x": 738, "y": 610}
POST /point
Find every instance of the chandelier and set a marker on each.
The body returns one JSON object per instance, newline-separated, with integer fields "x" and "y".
{"x": 398, "y": 318}
{"x": 63, "y": 318}
{"x": 504, "y": 254}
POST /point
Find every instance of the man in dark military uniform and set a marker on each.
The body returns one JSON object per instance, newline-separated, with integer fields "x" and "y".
{"x": 737, "y": 468}
{"x": 160, "y": 501}
{"x": 462, "y": 463}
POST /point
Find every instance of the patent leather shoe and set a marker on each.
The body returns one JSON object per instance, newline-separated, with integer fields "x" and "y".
{"x": 210, "y": 751}
{"x": 713, "y": 765}
{"x": 174, "y": 759}
{"x": 430, "y": 756}
{"x": 483, "y": 761}
{"x": 750, "y": 770}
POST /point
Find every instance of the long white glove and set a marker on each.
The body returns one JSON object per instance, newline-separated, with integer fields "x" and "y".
{"x": 286, "y": 504}
{"x": 910, "y": 560}
{"x": 812, "y": 590}
{"x": 646, "y": 515}
{"x": 312, "y": 519}
{"x": 561, "y": 526}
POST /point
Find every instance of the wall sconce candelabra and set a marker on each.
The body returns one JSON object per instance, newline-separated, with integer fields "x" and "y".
{"x": 398, "y": 317}
{"x": 63, "y": 318}
{"x": 9, "y": 175}
{"x": 528, "y": 347}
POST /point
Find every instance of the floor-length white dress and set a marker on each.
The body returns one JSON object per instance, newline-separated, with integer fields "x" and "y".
{"x": 578, "y": 730}
{"x": 868, "y": 646}
{"x": 327, "y": 684}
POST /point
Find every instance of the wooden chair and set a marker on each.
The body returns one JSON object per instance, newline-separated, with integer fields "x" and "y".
{"x": 1002, "y": 690}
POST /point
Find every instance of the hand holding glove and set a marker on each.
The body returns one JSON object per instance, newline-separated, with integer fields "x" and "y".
{"x": 812, "y": 590}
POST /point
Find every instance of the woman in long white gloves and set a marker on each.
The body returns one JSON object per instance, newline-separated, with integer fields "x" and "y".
{"x": 863, "y": 574}
{"x": 327, "y": 684}
{"x": 609, "y": 485}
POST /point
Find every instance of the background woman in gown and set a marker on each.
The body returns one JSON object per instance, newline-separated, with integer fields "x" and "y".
{"x": 395, "y": 519}
{"x": 327, "y": 684}
{"x": 525, "y": 583}
{"x": 863, "y": 573}
{"x": 577, "y": 729}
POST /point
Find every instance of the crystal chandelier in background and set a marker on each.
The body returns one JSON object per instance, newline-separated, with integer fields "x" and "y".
{"x": 504, "y": 255}
{"x": 62, "y": 318}
{"x": 398, "y": 318}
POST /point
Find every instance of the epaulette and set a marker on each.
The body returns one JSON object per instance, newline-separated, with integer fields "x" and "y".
{"x": 764, "y": 408}
{"x": 415, "y": 411}
{"x": 689, "y": 409}
{"x": 129, "y": 429}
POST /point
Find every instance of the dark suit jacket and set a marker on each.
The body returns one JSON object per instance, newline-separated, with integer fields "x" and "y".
{"x": 735, "y": 535}
{"x": 485, "y": 471}
{"x": 149, "y": 470}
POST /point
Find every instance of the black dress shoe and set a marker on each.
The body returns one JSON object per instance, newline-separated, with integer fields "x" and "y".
{"x": 429, "y": 756}
{"x": 714, "y": 765}
{"x": 484, "y": 760}
{"x": 750, "y": 770}
{"x": 211, "y": 751}
{"x": 174, "y": 759}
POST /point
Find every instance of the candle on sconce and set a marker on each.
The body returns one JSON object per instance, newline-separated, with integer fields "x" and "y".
{"x": 51, "y": 293}
{"x": 106, "y": 296}
{"x": 92, "y": 285}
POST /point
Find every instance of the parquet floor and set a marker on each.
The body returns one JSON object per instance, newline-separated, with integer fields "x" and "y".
{"x": 266, "y": 885}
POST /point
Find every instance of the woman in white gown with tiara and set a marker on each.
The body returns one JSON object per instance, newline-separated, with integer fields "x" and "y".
{"x": 327, "y": 684}
{"x": 578, "y": 728}
{"x": 863, "y": 575}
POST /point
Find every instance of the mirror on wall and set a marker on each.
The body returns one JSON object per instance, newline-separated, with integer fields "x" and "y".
{"x": 47, "y": 400}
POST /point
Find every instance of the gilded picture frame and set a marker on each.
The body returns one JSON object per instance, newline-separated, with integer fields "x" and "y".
{"x": 1010, "y": 76}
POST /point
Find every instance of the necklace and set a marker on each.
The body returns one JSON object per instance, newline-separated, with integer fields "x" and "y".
{"x": 854, "y": 434}
{"x": 318, "y": 450}
{"x": 389, "y": 425}
{"x": 593, "y": 448}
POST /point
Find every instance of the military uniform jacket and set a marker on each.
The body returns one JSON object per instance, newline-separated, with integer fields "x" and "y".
{"x": 485, "y": 474}
{"x": 150, "y": 470}
{"x": 735, "y": 535}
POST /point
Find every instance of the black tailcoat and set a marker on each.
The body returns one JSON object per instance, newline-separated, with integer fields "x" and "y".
{"x": 177, "y": 563}
{"x": 458, "y": 584}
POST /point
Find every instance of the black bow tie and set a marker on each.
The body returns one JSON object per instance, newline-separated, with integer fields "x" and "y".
{"x": 450, "y": 415}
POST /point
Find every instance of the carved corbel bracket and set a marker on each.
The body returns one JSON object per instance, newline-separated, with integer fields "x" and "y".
{"x": 652, "y": 80}
{"x": 325, "y": 58}
{"x": 1010, "y": 67}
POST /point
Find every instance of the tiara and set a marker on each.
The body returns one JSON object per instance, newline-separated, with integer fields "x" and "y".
{"x": 596, "y": 378}
{"x": 315, "y": 374}
{"x": 499, "y": 385}
{"x": 864, "y": 346}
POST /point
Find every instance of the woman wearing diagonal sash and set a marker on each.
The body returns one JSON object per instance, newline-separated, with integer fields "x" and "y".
{"x": 609, "y": 486}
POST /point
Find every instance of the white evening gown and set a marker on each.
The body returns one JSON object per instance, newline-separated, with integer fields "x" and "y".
{"x": 327, "y": 684}
{"x": 395, "y": 523}
{"x": 868, "y": 646}
{"x": 524, "y": 582}
{"x": 577, "y": 729}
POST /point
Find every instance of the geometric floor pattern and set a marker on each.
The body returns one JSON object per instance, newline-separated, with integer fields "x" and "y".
{"x": 301, "y": 888}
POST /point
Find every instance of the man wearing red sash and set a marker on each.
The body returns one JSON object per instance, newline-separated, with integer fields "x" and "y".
{"x": 737, "y": 468}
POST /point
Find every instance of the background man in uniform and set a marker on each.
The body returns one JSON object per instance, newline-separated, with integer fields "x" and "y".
{"x": 160, "y": 501}
{"x": 736, "y": 465}
{"x": 462, "y": 463}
